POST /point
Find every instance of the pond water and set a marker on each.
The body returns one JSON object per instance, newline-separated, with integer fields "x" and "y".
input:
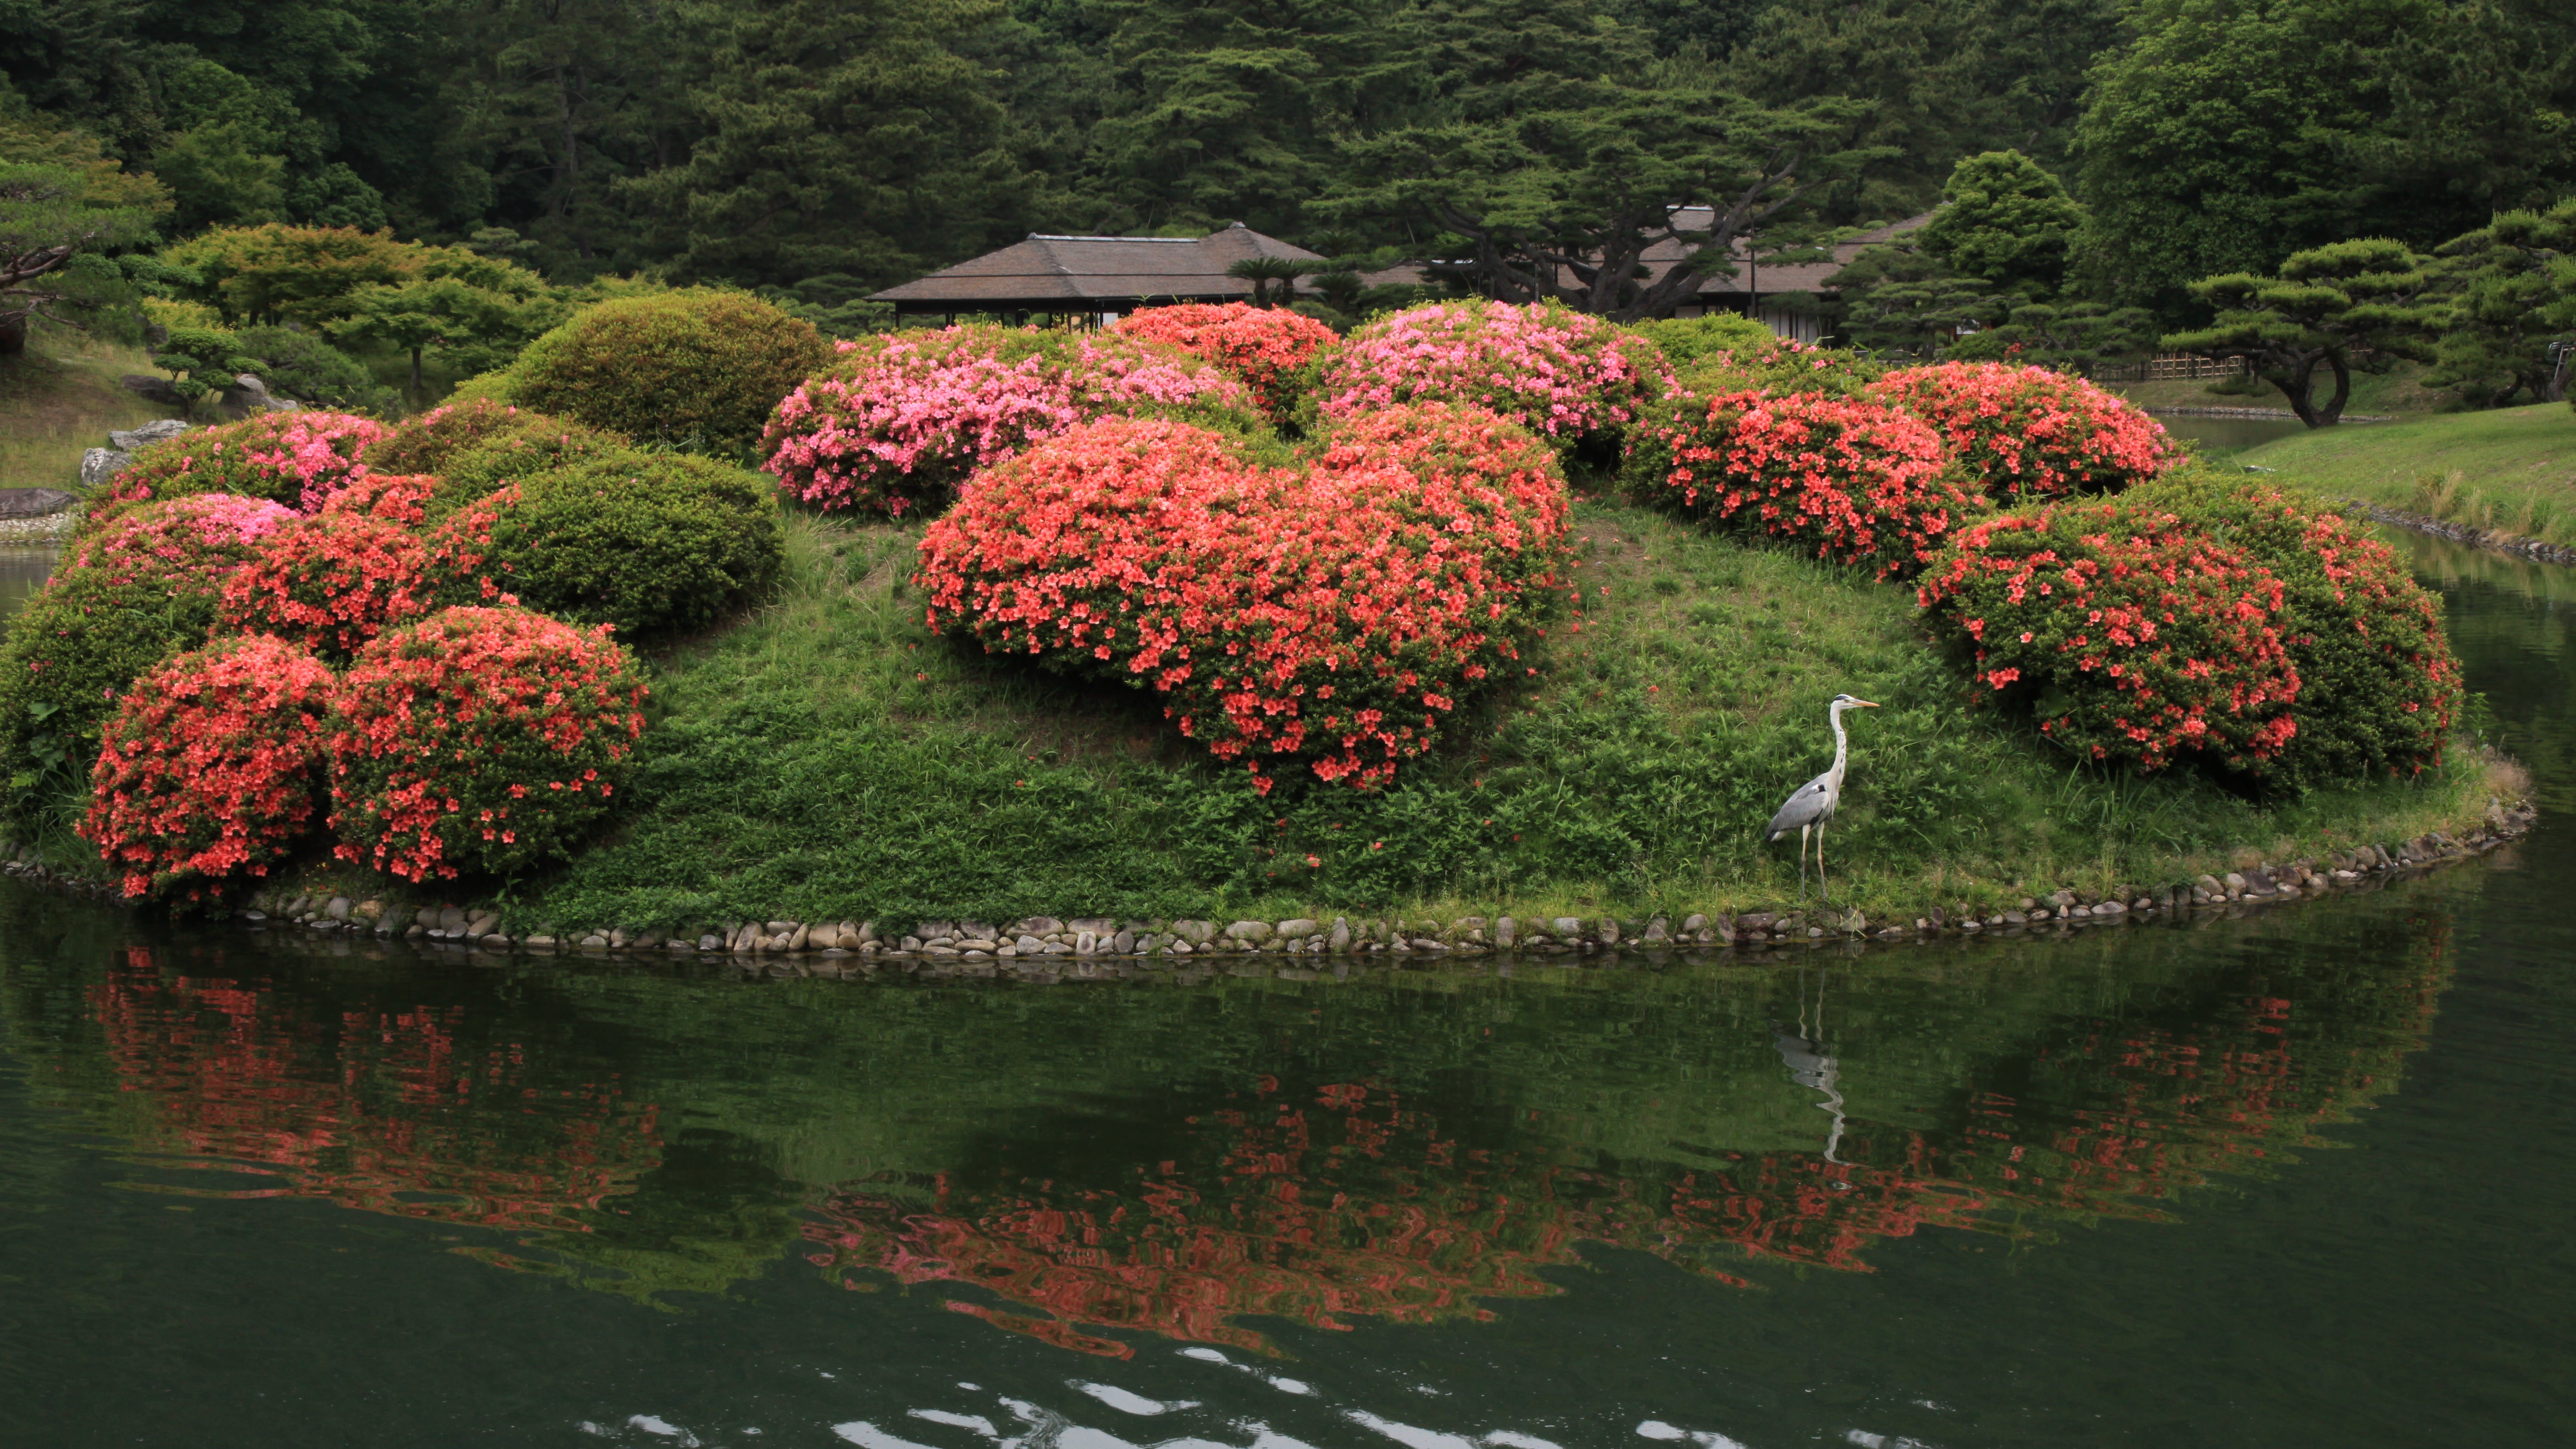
{"x": 22, "y": 572}
{"x": 2221, "y": 437}
{"x": 2303, "y": 1177}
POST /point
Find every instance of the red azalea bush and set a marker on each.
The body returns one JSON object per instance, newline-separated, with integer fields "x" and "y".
{"x": 194, "y": 542}
{"x": 1854, "y": 482}
{"x": 1335, "y": 614}
{"x": 401, "y": 498}
{"x": 2031, "y": 432}
{"x": 298, "y": 459}
{"x": 1263, "y": 347}
{"x": 329, "y": 584}
{"x": 2379, "y": 687}
{"x": 903, "y": 417}
{"x": 486, "y": 740}
{"x": 1566, "y": 375}
{"x": 2133, "y": 634}
{"x": 211, "y": 766}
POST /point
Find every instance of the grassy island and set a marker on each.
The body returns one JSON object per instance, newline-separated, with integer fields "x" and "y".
{"x": 1283, "y": 632}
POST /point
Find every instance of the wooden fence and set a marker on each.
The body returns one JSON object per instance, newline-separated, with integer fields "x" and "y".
{"x": 2170, "y": 367}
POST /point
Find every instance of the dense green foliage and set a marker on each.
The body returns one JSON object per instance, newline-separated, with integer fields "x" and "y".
{"x": 649, "y": 542}
{"x": 702, "y": 367}
{"x": 70, "y": 651}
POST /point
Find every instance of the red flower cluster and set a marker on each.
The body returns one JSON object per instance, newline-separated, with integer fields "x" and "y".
{"x": 480, "y": 739}
{"x": 192, "y": 543}
{"x": 2136, "y": 634}
{"x": 2030, "y": 432}
{"x": 459, "y": 548}
{"x": 329, "y": 583}
{"x": 298, "y": 458}
{"x": 1863, "y": 484}
{"x": 1263, "y": 347}
{"x": 1566, "y": 375}
{"x": 210, "y": 765}
{"x": 1335, "y": 614}
{"x": 2378, "y": 685}
{"x": 401, "y": 498}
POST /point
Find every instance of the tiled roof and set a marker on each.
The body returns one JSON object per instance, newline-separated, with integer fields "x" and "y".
{"x": 1797, "y": 277}
{"x": 1095, "y": 272}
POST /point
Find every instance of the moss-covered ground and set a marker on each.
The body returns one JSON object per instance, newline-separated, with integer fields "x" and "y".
{"x": 827, "y": 757}
{"x": 2512, "y": 470}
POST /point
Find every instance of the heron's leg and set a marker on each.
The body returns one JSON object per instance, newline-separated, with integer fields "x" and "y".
{"x": 1822, "y": 888}
{"x": 1802, "y": 863}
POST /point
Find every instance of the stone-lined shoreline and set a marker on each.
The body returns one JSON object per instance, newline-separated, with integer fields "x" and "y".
{"x": 1106, "y": 948}
{"x": 2485, "y": 538}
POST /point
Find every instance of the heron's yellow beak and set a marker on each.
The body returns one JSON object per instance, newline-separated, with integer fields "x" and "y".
{"x": 1864, "y": 704}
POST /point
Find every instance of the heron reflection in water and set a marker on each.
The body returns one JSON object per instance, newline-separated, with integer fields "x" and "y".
{"x": 1808, "y": 1065}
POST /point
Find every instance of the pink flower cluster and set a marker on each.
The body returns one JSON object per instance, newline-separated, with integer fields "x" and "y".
{"x": 904, "y": 417}
{"x": 298, "y": 458}
{"x": 1336, "y": 613}
{"x": 1564, "y": 374}
{"x": 197, "y": 541}
{"x": 2031, "y": 432}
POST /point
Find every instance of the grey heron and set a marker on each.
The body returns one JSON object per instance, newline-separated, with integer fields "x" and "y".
{"x": 1815, "y": 801}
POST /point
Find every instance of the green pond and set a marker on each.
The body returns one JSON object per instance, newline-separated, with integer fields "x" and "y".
{"x": 2303, "y": 1177}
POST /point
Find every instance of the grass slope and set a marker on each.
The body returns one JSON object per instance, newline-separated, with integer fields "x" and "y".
{"x": 829, "y": 758}
{"x": 60, "y": 398}
{"x": 2397, "y": 392}
{"x": 2512, "y": 470}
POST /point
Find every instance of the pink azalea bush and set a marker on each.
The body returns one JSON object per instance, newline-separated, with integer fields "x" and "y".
{"x": 1567, "y": 376}
{"x": 299, "y": 459}
{"x": 2030, "y": 432}
{"x": 193, "y": 542}
{"x": 902, "y": 418}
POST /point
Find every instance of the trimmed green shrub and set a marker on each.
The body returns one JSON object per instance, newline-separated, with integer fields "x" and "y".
{"x": 2378, "y": 685}
{"x": 541, "y": 444}
{"x": 650, "y": 542}
{"x": 1685, "y": 340}
{"x": 425, "y": 442}
{"x": 691, "y": 366}
{"x": 1777, "y": 365}
{"x": 71, "y": 651}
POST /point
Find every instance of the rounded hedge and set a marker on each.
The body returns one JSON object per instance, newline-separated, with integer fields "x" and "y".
{"x": 2379, "y": 687}
{"x": 539, "y": 444}
{"x": 1572, "y": 378}
{"x": 329, "y": 584}
{"x": 1848, "y": 481}
{"x": 1334, "y": 615}
{"x": 298, "y": 459}
{"x": 651, "y": 543}
{"x": 2032, "y": 433}
{"x": 425, "y": 443}
{"x": 198, "y": 540}
{"x": 480, "y": 740}
{"x": 2132, "y": 634}
{"x": 212, "y": 766}
{"x": 1264, "y": 348}
{"x": 691, "y": 365}
{"x": 902, "y": 419}
{"x": 72, "y": 649}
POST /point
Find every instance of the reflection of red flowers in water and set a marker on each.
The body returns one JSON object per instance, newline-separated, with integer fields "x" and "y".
{"x": 1356, "y": 1207}
{"x": 378, "y": 1111}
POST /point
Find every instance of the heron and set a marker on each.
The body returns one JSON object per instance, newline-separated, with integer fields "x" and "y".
{"x": 1807, "y": 810}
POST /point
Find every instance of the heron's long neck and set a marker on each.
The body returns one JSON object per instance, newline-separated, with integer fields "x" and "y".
{"x": 1842, "y": 744}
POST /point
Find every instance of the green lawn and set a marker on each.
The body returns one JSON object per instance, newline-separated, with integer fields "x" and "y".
{"x": 2512, "y": 470}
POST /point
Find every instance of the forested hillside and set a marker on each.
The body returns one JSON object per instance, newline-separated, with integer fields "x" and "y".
{"x": 775, "y": 142}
